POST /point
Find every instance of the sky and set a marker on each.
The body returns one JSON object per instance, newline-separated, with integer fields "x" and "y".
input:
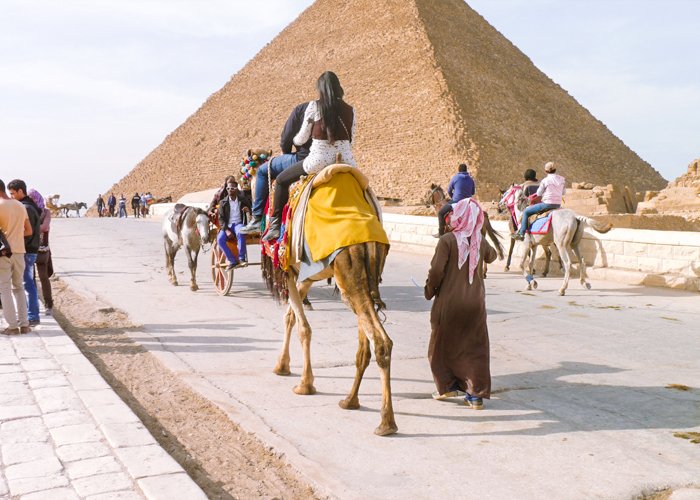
{"x": 89, "y": 87}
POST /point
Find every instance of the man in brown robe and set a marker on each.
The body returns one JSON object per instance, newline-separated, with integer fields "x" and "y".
{"x": 459, "y": 342}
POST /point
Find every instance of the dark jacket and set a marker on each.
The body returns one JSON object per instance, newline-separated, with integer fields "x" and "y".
{"x": 31, "y": 243}
{"x": 225, "y": 209}
{"x": 112, "y": 201}
{"x": 530, "y": 187}
{"x": 135, "y": 201}
{"x": 461, "y": 186}
{"x": 291, "y": 128}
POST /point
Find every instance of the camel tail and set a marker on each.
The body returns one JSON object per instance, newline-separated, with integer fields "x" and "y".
{"x": 375, "y": 257}
{"x": 598, "y": 226}
{"x": 494, "y": 236}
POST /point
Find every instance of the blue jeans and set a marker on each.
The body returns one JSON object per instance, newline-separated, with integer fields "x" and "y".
{"x": 30, "y": 287}
{"x": 262, "y": 190}
{"x": 534, "y": 209}
{"x": 221, "y": 240}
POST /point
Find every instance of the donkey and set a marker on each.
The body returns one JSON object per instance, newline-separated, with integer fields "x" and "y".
{"x": 188, "y": 227}
{"x": 565, "y": 231}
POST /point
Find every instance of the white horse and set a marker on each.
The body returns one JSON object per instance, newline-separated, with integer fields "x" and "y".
{"x": 188, "y": 227}
{"x": 565, "y": 231}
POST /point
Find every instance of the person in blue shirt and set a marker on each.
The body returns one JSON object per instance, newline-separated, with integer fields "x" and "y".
{"x": 461, "y": 186}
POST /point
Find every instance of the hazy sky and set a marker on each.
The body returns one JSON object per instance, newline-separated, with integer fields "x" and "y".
{"x": 89, "y": 87}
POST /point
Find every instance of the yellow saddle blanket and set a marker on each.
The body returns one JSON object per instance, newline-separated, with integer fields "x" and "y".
{"x": 339, "y": 214}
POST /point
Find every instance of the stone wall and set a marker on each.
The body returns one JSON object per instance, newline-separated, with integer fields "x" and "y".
{"x": 634, "y": 256}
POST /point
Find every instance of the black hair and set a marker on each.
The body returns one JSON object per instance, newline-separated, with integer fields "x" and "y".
{"x": 462, "y": 167}
{"x": 330, "y": 94}
{"x": 17, "y": 184}
{"x": 530, "y": 175}
{"x": 2, "y": 186}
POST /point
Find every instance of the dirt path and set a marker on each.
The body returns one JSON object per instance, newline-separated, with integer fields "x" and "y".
{"x": 225, "y": 461}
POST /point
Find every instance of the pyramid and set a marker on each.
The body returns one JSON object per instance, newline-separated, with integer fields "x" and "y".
{"x": 433, "y": 85}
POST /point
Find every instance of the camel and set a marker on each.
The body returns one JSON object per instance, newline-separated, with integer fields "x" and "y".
{"x": 357, "y": 271}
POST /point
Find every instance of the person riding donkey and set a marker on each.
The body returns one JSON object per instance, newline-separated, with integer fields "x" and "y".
{"x": 231, "y": 210}
{"x": 330, "y": 123}
{"x": 461, "y": 186}
{"x": 278, "y": 164}
{"x": 551, "y": 190}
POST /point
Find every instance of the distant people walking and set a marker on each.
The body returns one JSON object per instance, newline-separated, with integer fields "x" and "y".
{"x": 112, "y": 204}
{"x": 122, "y": 206}
{"x": 18, "y": 190}
{"x": 14, "y": 223}
{"x": 330, "y": 123}
{"x": 43, "y": 258}
{"x": 100, "y": 205}
{"x": 459, "y": 342}
{"x": 461, "y": 186}
{"x": 136, "y": 205}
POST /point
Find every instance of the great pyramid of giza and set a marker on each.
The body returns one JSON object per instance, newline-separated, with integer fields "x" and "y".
{"x": 433, "y": 84}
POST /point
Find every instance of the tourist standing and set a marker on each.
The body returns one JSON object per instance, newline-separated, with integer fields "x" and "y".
{"x": 459, "y": 342}
{"x": 18, "y": 190}
{"x": 14, "y": 223}
{"x": 122, "y": 206}
{"x": 100, "y": 205}
{"x": 136, "y": 205}
{"x": 112, "y": 204}
{"x": 43, "y": 258}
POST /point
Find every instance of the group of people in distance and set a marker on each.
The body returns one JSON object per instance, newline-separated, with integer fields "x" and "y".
{"x": 24, "y": 242}
{"x": 139, "y": 205}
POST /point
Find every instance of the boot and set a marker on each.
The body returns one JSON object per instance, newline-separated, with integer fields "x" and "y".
{"x": 253, "y": 226}
{"x": 273, "y": 231}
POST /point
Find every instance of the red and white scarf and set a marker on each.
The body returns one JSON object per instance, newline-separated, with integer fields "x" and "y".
{"x": 467, "y": 220}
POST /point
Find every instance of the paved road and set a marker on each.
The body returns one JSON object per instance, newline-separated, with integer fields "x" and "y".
{"x": 580, "y": 407}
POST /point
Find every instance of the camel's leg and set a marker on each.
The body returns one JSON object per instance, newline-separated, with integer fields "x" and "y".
{"x": 170, "y": 261}
{"x": 547, "y": 260}
{"x": 306, "y": 385}
{"x": 355, "y": 288}
{"x": 510, "y": 254}
{"x": 282, "y": 366}
{"x": 364, "y": 354}
{"x": 192, "y": 263}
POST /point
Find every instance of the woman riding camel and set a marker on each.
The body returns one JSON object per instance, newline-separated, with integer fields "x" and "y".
{"x": 551, "y": 190}
{"x": 330, "y": 122}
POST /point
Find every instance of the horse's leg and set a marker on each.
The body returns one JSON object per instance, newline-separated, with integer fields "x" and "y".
{"x": 282, "y": 366}
{"x": 510, "y": 254}
{"x": 581, "y": 261}
{"x": 353, "y": 282}
{"x": 563, "y": 241}
{"x": 306, "y": 385}
{"x": 547, "y": 260}
{"x": 192, "y": 263}
{"x": 362, "y": 358}
{"x": 170, "y": 261}
{"x": 529, "y": 276}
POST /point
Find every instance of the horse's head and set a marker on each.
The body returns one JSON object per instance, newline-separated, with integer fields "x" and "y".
{"x": 203, "y": 227}
{"x": 435, "y": 197}
{"x": 511, "y": 198}
{"x": 82, "y": 204}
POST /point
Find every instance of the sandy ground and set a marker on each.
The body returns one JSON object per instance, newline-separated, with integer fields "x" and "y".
{"x": 225, "y": 461}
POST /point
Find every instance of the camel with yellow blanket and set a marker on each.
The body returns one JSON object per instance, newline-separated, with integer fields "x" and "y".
{"x": 334, "y": 230}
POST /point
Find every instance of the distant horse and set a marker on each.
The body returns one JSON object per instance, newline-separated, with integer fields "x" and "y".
{"x": 188, "y": 227}
{"x": 436, "y": 198}
{"x": 69, "y": 207}
{"x": 167, "y": 199}
{"x": 565, "y": 231}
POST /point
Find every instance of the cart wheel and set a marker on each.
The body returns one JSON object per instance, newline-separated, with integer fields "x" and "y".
{"x": 222, "y": 278}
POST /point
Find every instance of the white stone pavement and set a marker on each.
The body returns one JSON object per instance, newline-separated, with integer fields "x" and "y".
{"x": 65, "y": 434}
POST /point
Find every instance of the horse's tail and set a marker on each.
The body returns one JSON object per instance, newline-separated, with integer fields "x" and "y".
{"x": 598, "y": 226}
{"x": 493, "y": 235}
{"x": 375, "y": 257}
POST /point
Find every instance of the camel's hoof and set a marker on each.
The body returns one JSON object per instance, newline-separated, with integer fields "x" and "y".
{"x": 305, "y": 390}
{"x": 386, "y": 430}
{"x": 349, "y": 403}
{"x": 534, "y": 284}
{"x": 281, "y": 370}
{"x": 562, "y": 292}
{"x": 194, "y": 288}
